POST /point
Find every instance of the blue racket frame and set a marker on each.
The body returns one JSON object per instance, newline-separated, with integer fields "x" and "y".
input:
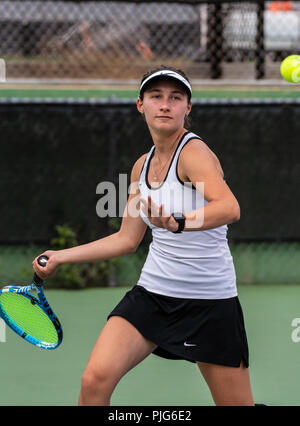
{"x": 42, "y": 302}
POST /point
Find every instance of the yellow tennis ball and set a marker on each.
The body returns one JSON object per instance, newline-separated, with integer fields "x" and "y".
{"x": 290, "y": 69}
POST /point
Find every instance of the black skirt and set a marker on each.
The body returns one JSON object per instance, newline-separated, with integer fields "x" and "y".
{"x": 210, "y": 331}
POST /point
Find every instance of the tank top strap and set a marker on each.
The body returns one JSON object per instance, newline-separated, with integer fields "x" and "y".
{"x": 186, "y": 138}
{"x": 145, "y": 165}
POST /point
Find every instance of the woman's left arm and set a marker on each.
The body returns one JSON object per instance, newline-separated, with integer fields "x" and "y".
{"x": 198, "y": 165}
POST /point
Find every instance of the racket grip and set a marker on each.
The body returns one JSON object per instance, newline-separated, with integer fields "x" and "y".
{"x": 42, "y": 261}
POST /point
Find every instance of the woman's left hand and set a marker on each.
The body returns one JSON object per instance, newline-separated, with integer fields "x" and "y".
{"x": 157, "y": 215}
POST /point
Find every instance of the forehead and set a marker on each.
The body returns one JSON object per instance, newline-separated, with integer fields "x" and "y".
{"x": 165, "y": 84}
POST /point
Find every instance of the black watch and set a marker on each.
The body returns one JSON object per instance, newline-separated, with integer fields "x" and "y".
{"x": 180, "y": 219}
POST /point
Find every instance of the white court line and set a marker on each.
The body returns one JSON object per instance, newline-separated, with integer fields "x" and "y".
{"x": 130, "y": 83}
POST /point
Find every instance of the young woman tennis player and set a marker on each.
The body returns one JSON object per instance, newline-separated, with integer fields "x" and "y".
{"x": 185, "y": 304}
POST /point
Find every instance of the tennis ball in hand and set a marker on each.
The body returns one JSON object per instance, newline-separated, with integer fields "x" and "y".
{"x": 290, "y": 69}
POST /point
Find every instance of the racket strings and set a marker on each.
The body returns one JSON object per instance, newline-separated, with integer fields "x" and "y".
{"x": 29, "y": 316}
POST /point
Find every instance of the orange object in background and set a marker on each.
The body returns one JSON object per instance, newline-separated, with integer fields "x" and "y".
{"x": 144, "y": 50}
{"x": 284, "y": 6}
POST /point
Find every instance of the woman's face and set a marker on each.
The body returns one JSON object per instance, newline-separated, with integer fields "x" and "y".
{"x": 164, "y": 105}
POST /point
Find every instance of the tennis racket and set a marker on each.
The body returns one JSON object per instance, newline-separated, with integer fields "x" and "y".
{"x": 27, "y": 312}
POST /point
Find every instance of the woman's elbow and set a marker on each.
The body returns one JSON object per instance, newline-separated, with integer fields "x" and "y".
{"x": 235, "y": 212}
{"x": 132, "y": 245}
{"x": 126, "y": 244}
{"x": 132, "y": 248}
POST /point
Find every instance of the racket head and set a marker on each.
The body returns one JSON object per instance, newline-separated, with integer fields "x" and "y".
{"x": 30, "y": 317}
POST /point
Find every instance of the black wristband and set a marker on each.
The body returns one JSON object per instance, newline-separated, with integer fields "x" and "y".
{"x": 180, "y": 219}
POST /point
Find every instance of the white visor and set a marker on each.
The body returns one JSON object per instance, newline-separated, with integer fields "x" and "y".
{"x": 170, "y": 74}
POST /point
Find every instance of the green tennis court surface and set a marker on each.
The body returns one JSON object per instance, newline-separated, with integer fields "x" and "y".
{"x": 289, "y": 91}
{"x": 30, "y": 376}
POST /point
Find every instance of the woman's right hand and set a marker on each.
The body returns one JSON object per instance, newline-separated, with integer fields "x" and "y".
{"x": 51, "y": 267}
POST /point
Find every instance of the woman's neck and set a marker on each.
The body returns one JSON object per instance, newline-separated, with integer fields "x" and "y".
{"x": 164, "y": 144}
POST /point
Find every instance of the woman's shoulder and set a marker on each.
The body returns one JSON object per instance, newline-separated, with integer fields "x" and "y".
{"x": 137, "y": 167}
{"x": 197, "y": 149}
{"x": 196, "y": 144}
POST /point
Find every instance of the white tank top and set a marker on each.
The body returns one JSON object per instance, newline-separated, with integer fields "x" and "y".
{"x": 193, "y": 264}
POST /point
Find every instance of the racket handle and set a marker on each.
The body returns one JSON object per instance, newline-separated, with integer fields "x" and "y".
{"x": 42, "y": 261}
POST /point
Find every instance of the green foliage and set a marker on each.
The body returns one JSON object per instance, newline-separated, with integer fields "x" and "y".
{"x": 77, "y": 275}
{"x": 120, "y": 271}
{"x": 65, "y": 238}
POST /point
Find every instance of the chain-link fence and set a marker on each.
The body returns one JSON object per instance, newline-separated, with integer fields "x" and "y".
{"x": 119, "y": 40}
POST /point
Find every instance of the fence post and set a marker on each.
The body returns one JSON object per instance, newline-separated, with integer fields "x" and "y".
{"x": 259, "y": 41}
{"x": 215, "y": 39}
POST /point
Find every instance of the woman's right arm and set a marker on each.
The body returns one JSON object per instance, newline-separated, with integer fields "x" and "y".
{"x": 125, "y": 241}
